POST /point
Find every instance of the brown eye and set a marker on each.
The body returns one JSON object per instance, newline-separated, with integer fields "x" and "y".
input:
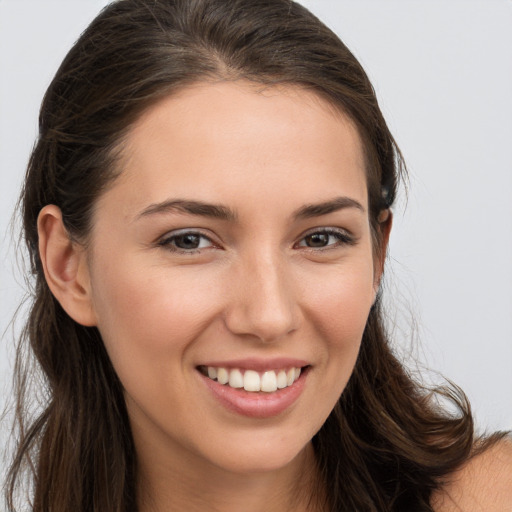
{"x": 317, "y": 240}
{"x": 186, "y": 242}
{"x": 326, "y": 238}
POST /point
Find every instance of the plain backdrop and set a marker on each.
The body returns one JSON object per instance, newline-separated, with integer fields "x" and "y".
{"x": 443, "y": 75}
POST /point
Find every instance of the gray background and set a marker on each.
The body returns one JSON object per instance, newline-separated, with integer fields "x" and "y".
{"x": 443, "y": 74}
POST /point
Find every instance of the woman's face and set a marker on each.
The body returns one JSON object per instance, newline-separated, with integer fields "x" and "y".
{"x": 235, "y": 243}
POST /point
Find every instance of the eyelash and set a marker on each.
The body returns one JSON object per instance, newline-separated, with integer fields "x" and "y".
{"x": 169, "y": 242}
{"x": 341, "y": 236}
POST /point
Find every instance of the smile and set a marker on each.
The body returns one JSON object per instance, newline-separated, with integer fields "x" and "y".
{"x": 253, "y": 381}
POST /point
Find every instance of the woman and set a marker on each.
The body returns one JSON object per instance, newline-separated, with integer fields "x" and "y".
{"x": 207, "y": 211}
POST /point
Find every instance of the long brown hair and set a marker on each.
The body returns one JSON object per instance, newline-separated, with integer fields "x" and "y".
{"x": 385, "y": 446}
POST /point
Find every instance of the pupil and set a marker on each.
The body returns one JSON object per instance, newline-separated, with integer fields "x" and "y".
{"x": 317, "y": 240}
{"x": 187, "y": 241}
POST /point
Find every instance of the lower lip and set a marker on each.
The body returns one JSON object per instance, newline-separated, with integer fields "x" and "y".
{"x": 256, "y": 404}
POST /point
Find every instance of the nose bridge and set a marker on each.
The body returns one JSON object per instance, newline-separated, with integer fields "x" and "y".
{"x": 264, "y": 303}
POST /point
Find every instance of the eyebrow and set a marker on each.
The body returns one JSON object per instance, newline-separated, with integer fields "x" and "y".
{"x": 333, "y": 205}
{"x": 218, "y": 211}
{"x": 215, "y": 211}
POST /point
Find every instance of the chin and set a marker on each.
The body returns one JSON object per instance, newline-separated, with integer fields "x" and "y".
{"x": 262, "y": 456}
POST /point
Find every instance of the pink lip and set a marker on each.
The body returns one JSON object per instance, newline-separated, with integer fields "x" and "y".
{"x": 256, "y": 405}
{"x": 258, "y": 364}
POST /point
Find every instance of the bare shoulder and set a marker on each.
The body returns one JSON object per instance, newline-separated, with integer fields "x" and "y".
{"x": 484, "y": 484}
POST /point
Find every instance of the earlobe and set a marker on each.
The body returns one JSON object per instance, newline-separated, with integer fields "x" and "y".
{"x": 65, "y": 266}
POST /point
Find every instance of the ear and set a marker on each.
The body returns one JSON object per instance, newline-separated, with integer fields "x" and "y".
{"x": 65, "y": 266}
{"x": 385, "y": 220}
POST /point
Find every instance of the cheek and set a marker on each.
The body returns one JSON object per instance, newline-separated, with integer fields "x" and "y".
{"x": 339, "y": 311}
{"x": 147, "y": 313}
{"x": 341, "y": 304}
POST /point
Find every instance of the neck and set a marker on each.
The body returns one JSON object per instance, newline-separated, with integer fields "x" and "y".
{"x": 207, "y": 488}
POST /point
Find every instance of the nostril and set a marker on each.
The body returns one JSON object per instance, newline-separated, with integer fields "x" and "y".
{"x": 265, "y": 325}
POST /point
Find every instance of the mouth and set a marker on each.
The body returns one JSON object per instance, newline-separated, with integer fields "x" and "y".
{"x": 251, "y": 390}
{"x": 267, "y": 381}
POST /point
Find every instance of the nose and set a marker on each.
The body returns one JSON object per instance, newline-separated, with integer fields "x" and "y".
{"x": 263, "y": 304}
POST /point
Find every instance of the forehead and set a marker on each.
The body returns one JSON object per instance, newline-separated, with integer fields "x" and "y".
{"x": 240, "y": 139}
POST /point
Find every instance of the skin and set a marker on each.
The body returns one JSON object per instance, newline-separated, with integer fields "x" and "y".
{"x": 483, "y": 484}
{"x": 253, "y": 289}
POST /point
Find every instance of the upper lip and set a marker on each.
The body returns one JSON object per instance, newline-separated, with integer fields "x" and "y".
{"x": 258, "y": 364}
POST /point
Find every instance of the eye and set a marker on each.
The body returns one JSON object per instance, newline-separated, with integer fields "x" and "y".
{"x": 186, "y": 241}
{"x": 326, "y": 238}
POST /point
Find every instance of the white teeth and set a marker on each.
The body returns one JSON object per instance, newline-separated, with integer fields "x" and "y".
{"x": 251, "y": 380}
{"x": 282, "y": 381}
{"x": 236, "y": 379}
{"x": 222, "y": 375}
{"x": 269, "y": 382}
